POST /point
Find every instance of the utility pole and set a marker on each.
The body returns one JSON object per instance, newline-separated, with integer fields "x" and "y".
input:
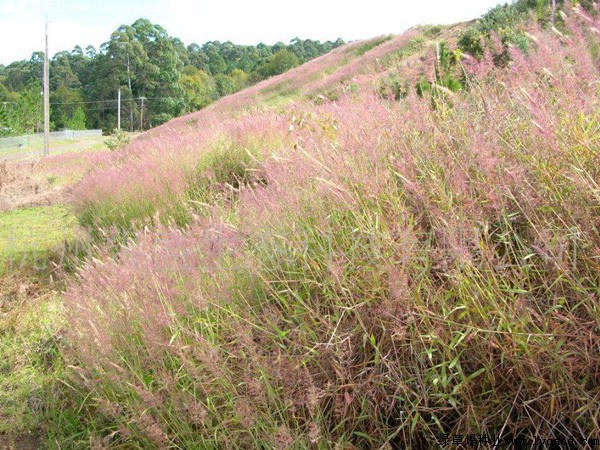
{"x": 131, "y": 103}
{"x": 46, "y": 97}
{"x": 142, "y": 114}
{"x": 553, "y": 11}
{"x": 119, "y": 113}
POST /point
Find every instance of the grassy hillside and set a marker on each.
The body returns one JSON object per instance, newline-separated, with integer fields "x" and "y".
{"x": 393, "y": 244}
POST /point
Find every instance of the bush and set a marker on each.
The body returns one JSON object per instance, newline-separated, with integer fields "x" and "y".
{"x": 160, "y": 118}
{"x": 433, "y": 31}
{"x": 119, "y": 140}
{"x": 504, "y": 21}
{"x": 393, "y": 87}
{"x": 222, "y": 172}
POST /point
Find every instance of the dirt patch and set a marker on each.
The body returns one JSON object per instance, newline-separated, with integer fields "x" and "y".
{"x": 20, "y": 443}
{"x": 19, "y": 188}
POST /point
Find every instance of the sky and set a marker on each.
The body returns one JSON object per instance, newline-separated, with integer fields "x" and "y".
{"x": 91, "y": 22}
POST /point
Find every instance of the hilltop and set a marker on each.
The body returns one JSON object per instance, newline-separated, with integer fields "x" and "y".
{"x": 394, "y": 245}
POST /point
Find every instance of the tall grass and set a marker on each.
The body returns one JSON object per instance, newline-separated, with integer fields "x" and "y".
{"x": 364, "y": 273}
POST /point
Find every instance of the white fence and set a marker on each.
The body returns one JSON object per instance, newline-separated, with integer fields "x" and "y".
{"x": 65, "y": 135}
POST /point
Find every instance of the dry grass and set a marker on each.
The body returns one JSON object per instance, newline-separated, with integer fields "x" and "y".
{"x": 19, "y": 188}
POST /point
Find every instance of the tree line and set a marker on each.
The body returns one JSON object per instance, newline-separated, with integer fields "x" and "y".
{"x": 143, "y": 60}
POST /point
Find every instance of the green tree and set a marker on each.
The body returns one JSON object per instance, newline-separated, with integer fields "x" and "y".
{"x": 61, "y": 72}
{"x": 282, "y": 61}
{"x": 8, "y": 111}
{"x": 199, "y": 88}
{"x": 225, "y": 84}
{"x": 65, "y": 101}
{"x": 28, "y": 115}
{"x": 143, "y": 60}
{"x": 161, "y": 80}
{"x": 77, "y": 121}
{"x": 239, "y": 78}
{"x": 131, "y": 60}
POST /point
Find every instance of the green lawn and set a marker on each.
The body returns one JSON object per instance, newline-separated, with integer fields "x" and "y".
{"x": 30, "y": 318}
{"x": 30, "y": 362}
{"x": 31, "y": 235}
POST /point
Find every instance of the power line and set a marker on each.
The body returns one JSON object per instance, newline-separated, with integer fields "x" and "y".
{"x": 93, "y": 102}
{"x": 163, "y": 98}
{"x": 82, "y": 103}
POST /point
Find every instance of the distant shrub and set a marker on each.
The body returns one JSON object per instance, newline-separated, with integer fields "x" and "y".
{"x": 433, "y": 31}
{"x": 118, "y": 140}
{"x": 451, "y": 82}
{"x": 471, "y": 41}
{"x": 506, "y": 16}
{"x": 423, "y": 87}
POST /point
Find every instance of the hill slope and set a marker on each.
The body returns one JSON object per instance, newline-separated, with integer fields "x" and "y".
{"x": 389, "y": 245}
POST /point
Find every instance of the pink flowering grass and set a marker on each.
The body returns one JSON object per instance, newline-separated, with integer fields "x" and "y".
{"x": 148, "y": 179}
{"x": 358, "y": 273}
{"x": 154, "y": 180}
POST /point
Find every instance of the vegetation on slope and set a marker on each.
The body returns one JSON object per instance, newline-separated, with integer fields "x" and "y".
{"x": 354, "y": 270}
{"x": 392, "y": 244}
